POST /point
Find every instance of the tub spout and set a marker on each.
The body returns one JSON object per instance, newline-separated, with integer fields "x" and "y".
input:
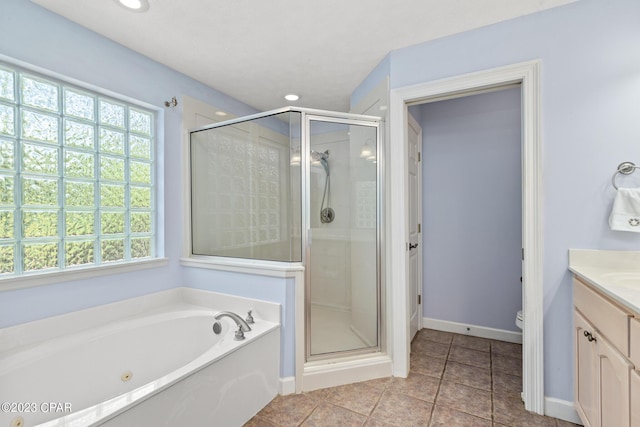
{"x": 239, "y": 320}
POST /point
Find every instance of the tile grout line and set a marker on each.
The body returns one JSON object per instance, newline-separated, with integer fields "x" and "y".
{"x": 435, "y": 397}
{"x": 317, "y": 403}
{"x": 378, "y": 400}
{"x": 463, "y": 347}
{"x": 493, "y": 417}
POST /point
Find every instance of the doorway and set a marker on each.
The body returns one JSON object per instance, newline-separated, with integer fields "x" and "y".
{"x": 472, "y": 221}
{"x": 528, "y": 76}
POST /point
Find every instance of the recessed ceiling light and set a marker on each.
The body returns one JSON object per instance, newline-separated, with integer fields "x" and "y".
{"x": 134, "y": 5}
{"x": 292, "y": 97}
{"x": 220, "y": 113}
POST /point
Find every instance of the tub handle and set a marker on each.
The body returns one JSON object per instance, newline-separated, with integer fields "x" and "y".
{"x": 249, "y": 318}
{"x": 239, "y": 320}
{"x": 239, "y": 334}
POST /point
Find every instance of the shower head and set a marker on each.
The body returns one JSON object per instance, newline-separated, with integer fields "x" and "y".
{"x": 317, "y": 156}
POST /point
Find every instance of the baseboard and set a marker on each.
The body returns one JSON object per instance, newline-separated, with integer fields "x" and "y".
{"x": 287, "y": 386}
{"x": 561, "y": 409}
{"x": 473, "y": 330}
{"x": 331, "y": 374}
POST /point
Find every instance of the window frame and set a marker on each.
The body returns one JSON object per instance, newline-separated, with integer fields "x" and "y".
{"x": 63, "y": 272}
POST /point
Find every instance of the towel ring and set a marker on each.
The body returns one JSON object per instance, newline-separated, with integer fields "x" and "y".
{"x": 625, "y": 168}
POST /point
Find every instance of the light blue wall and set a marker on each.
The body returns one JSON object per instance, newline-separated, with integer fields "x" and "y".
{"x": 590, "y": 123}
{"x": 31, "y": 34}
{"x": 380, "y": 72}
{"x": 471, "y": 209}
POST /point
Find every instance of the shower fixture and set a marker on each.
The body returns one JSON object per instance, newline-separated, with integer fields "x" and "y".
{"x": 287, "y": 187}
{"x": 327, "y": 214}
{"x": 173, "y": 102}
{"x": 318, "y": 157}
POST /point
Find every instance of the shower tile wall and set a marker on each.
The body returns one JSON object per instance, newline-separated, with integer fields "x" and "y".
{"x": 331, "y": 247}
{"x": 330, "y": 272}
{"x": 364, "y": 305}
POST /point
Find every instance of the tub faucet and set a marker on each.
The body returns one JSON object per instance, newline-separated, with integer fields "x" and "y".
{"x": 239, "y": 320}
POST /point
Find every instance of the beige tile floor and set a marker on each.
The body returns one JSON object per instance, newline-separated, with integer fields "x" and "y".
{"x": 455, "y": 380}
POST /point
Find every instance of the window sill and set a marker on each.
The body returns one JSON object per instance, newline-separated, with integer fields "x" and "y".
{"x": 247, "y": 266}
{"x": 51, "y": 277}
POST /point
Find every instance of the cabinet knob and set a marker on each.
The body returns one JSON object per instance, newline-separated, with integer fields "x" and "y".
{"x": 589, "y": 336}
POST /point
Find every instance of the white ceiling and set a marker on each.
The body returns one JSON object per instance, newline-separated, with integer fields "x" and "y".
{"x": 257, "y": 51}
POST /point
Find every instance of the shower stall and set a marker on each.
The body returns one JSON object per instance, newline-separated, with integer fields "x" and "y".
{"x": 299, "y": 187}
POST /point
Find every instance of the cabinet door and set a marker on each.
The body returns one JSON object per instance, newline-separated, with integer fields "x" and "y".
{"x": 614, "y": 372}
{"x": 586, "y": 372}
{"x": 635, "y": 397}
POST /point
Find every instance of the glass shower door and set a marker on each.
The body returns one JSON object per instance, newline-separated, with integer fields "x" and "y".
{"x": 343, "y": 297}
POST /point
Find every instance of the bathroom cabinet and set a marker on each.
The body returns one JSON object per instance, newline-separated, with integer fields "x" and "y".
{"x": 605, "y": 379}
{"x": 634, "y": 350}
{"x": 635, "y": 397}
{"x": 586, "y": 392}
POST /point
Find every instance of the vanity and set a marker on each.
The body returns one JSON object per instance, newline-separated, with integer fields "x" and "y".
{"x": 606, "y": 334}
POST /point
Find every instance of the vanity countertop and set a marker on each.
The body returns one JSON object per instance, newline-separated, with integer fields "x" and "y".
{"x": 614, "y": 273}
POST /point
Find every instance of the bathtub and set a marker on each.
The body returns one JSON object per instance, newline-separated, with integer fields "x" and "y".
{"x": 161, "y": 364}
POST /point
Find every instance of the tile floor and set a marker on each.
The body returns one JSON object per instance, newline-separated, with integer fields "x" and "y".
{"x": 455, "y": 380}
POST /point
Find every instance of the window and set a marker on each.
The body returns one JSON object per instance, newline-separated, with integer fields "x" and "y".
{"x": 76, "y": 176}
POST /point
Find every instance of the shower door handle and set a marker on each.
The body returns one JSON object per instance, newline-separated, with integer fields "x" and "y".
{"x": 412, "y": 246}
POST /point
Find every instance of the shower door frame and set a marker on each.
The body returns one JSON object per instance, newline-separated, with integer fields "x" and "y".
{"x": 356, "y": 120}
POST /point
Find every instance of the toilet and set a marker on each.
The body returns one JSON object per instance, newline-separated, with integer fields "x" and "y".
{"x": 519, "y": 319}
{"x": 519, "y": 323}
{"x": 519, "y": 315}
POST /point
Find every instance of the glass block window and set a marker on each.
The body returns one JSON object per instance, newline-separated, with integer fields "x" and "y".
{"x": 76, "y": 176}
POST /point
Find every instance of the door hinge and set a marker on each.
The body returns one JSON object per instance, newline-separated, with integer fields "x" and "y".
{"x": 419, "y": 299}
{"x": 523, "y": 254}
{"x": 418, "y": 156}
{"x": 419, "y": 228}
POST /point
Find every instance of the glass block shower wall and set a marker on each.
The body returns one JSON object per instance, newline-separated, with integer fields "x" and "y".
{"x": 244, "y": 204}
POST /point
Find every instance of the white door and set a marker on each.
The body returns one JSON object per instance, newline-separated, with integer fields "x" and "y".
{"x": 414, "y": 133}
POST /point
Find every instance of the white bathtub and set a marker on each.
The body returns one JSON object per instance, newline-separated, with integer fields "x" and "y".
{"x": 161, "y": 366}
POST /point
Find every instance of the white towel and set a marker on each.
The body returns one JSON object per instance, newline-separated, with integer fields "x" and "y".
{"x": 625, "y": 215}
